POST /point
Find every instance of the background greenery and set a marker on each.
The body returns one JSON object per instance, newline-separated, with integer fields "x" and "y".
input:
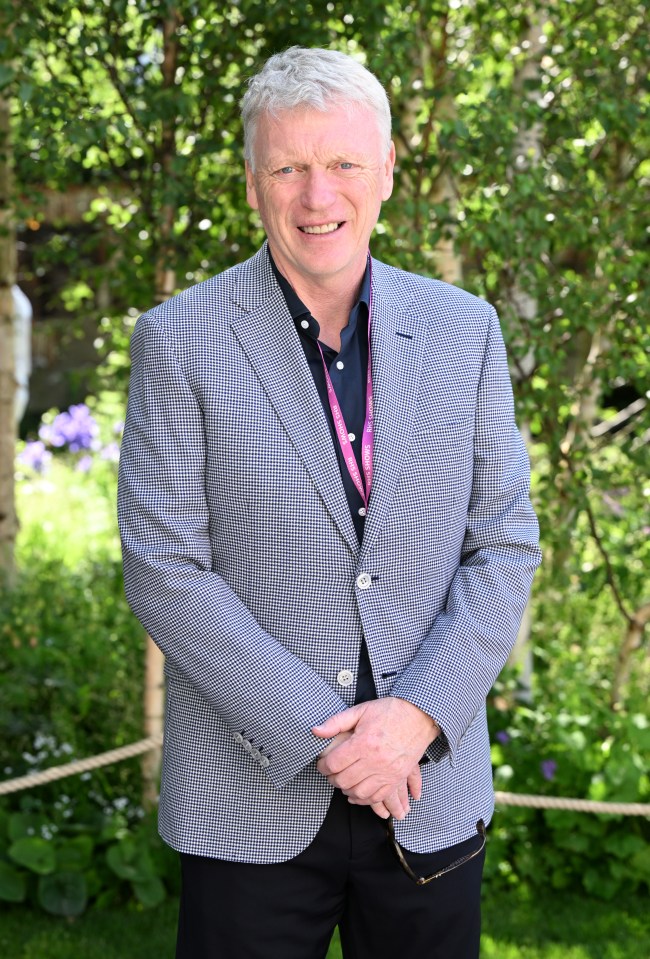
{"x": 522, "y": 134}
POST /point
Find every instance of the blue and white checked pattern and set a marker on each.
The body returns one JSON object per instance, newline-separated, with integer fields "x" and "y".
{"x": 241, "y": 559}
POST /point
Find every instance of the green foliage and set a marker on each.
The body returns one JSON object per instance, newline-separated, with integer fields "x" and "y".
{"x": 572, "y": 747}
{"x": 71, "y": 670}
{"x": 62, "y": 866}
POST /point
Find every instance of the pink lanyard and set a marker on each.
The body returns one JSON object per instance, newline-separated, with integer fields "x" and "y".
{"x": 367, "y": 439}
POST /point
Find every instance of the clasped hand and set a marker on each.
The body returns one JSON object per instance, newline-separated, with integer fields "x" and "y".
{"x": 374, "y": 756}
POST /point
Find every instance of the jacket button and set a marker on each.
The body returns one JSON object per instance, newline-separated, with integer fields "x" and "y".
{"x": 364, "y": 581}
{"x": 238, "y": 738}
{"x": 345, "y": 678}
{"x": 264, "y": 762}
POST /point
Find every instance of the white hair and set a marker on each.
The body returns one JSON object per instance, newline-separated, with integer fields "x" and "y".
{"x": 311, "y": 77}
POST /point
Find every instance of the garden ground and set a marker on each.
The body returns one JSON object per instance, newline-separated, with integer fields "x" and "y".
{"x": 562, "y": 926}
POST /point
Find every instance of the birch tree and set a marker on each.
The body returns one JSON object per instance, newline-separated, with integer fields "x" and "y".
{"x": 8, "y": 522}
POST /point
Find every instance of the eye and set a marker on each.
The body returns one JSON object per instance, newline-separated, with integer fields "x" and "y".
{"x": 346, "y": 165}
{"x": 285, "y": 171}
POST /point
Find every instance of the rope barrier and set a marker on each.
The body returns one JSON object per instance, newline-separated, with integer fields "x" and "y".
{"x": 80, "y": 765}
{"x": 154, "y": 742}
{"x": 575, "y": 805}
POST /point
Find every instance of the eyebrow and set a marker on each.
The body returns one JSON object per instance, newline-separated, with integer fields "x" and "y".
{"x": 277, "y": 163}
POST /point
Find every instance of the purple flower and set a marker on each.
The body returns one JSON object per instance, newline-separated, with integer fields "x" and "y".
{"x": 549, "y": 768}
{"x": 84, "y": 464}
{"x": 503, "y": 737}
{"x": 111, "y": 452}
{"x": 75, "y": 428}
{"x": 118, "y": 428}
{"x": 35, "y": 456}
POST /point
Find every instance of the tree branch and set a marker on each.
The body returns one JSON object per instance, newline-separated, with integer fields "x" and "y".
{"x": 609, "y": 571}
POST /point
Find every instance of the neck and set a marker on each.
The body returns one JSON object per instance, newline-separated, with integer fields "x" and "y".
{"x": 328, "y": 299}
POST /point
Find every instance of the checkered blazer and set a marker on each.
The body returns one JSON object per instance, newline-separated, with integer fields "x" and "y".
{"x": 241, "y": 559}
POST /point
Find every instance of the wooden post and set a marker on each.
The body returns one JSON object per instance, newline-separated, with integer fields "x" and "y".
{"x": 154, "y": 714}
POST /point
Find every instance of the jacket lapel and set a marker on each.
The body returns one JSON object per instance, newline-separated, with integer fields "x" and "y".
{"x": 268, "y": 336}
{"x": 397, "y": 343}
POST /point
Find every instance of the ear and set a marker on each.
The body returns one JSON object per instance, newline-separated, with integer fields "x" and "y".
{"x": 389, "y": 166}
{"x": 251, "y": 192}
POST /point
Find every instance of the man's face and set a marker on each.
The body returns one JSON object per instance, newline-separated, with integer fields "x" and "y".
{"x": 318, "y": 184}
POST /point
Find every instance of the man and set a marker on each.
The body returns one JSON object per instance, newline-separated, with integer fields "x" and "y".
{"x": 326, "y": 528}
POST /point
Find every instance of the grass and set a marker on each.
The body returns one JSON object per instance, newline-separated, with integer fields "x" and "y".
{"x": 554, "y": 927}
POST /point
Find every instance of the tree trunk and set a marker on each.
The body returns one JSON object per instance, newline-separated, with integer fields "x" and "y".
{"x": 527, "y": 153}
{"x": 632, "y": 641}
{"x": 8, "y": 521}
{"x": 418, "y": 138}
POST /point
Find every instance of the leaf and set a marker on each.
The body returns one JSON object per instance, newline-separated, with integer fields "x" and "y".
{"x": 7, "y": 74}
{"x": 640, "y": 861}
{"x": 73, "y": 855}
{"x": 25, "y": 824}
{"x": 150, "y": 892}
{"x": 13, "y": 884}
{"x": 35, "y": 853}
{"x": 63, "y": 894}
{"x": 130, "y": 861}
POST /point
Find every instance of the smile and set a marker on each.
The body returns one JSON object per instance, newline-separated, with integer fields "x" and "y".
{"x": 325, "y": 228}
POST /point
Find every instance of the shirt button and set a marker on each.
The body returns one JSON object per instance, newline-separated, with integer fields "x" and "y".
{"x": 362, "y": 511}
{"x": 248, "y": 746}
{"x": 304, "y": 324}
{"x": 238, "y": 738}
{"x": 340, "y": 365}
{"x": 364, "y": 581}
{"x": 264, "y": 762}
{"x": 256, "y": 754}
{"x": 345, "y": 678}
{"x": 351, "y": 437}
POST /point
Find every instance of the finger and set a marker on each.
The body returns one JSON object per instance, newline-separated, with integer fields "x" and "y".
{"x": 403, "y": 796}
{"x": 370, "y": 789}
{"x": 414, "y": 783}
{"x": 336, "y": 742}
{"x": 380, "y": 810}
{"x": 354, "y": 781}
{"x": 346, "y": 753}
{"x": 395, "y": 808}
{"x": 339, "y": 723}
{"x": 397, "y": 802}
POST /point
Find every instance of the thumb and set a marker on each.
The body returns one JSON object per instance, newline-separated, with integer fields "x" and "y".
{"x": 339, "y": 723}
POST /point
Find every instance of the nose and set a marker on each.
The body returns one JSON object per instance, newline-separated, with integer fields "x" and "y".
{"x": 318, "y": 190}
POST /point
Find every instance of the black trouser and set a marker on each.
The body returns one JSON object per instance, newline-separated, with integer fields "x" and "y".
{"x": 349, "y": 876}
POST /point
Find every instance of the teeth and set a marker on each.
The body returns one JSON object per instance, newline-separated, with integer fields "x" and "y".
{"x": 326, "y": 228}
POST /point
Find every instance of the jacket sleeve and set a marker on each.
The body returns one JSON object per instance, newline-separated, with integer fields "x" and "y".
{"x": 253, "y": 682}
{"x": 470, "y": 641}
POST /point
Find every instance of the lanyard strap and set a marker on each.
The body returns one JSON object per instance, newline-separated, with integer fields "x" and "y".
{"x": 368, "y": 438}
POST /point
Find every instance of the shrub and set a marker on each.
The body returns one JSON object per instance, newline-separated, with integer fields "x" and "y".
{"x": 582, "y": 750}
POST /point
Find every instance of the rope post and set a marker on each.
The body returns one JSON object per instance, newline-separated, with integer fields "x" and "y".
{"x": 154, "y": 713}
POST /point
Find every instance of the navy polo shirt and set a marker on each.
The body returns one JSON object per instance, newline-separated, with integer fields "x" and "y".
{"x": 348, "y": 370}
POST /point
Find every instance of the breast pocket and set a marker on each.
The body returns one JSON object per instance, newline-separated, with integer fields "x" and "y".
{"x": 441, "y": 459}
